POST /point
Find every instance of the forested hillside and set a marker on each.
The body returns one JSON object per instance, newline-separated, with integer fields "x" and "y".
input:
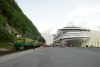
{"x": 11, "y": 14}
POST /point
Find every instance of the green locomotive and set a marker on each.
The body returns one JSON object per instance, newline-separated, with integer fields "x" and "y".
{"x": 25, "y": 43}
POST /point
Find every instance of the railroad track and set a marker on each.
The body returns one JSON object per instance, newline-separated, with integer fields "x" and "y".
{"x": 10, "y": 52}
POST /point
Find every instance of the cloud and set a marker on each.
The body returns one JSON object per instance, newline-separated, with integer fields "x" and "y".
{"x": 82, "y": 10}
{"x": 90, "y": 26}
{"x": 80, "y": 6}
{"x": 43, "y": 26}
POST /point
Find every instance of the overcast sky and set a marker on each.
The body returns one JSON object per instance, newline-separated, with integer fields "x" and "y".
{"x": 47, "y": 14}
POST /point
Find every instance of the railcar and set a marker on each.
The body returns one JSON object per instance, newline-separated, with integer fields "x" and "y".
{"x": 24, "y": 43}
{"x": 36, "y": 43}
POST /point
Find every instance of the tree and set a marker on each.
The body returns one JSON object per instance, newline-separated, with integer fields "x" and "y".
{"x": 6, "y": 36}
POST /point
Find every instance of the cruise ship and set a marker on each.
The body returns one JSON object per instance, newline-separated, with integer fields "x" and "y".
{"x": 71, "y": 36}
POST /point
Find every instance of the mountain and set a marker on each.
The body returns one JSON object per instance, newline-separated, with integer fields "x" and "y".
{"x": 49, "y": 37}
{"x": 14, "y": 22}
{"x": 94, "y": 34}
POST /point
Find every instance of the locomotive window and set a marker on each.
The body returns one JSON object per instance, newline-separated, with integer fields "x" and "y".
{"x": 20, "y": 40}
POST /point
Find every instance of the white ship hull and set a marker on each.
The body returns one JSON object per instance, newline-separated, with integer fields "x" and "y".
{"x": 75, "y": 41}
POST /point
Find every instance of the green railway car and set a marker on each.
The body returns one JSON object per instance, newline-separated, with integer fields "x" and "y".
{"x": 36, "y": 44}
{"x": 24, "y": 43}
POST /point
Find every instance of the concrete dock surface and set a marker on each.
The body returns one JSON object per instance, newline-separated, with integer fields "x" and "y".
{"x": 54, "y": 57}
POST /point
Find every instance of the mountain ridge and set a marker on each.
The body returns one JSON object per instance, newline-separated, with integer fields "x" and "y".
{"x": 13, "y": 16}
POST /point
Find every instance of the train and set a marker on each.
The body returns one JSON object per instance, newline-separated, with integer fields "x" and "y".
{"x": 26, "y": 43}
